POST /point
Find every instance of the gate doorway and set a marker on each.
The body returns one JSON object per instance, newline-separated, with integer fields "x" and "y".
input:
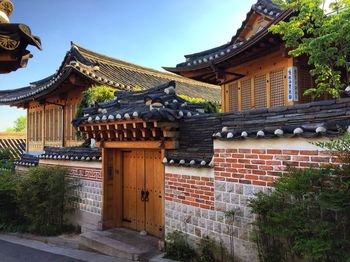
{"x": 134, "y": 191}
{"x": 143, "y": 191}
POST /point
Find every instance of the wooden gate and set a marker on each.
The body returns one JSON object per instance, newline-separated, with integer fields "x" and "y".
{"x": 143, "y": 191}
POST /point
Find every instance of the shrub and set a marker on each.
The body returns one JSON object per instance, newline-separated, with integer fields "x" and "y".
{"x": 6, "y": 159}
{"x": 178, "y": 248}
{"x": 212, "y": 251}
{"x": 307, "y": 216}
{"x": 45, "y": 197}
{"x": 8, "y": 200}
{"x": 207, "y": 250}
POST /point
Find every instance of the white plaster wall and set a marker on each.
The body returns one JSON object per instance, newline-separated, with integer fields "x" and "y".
{"x": 68, "y": 163}
{"x": 190, "y": 171}
{"x": 273, "y": 143}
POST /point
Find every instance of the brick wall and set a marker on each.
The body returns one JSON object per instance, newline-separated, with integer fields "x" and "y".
{"x": 263, "y": 166}
{"x": 241, "y": 169}
{"x": 190, "y": 190}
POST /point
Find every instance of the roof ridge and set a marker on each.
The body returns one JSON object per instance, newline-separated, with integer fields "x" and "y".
{"x": 134, "y": 67}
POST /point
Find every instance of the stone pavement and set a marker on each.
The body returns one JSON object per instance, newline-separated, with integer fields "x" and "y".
{"x": 14, "y": 249}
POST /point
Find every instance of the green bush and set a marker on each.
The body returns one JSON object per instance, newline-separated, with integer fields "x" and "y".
{"x": 8, "y": 199}
{"x": 207, "y": 250}
{"x": 6, "y": 159}
{"x": 211, "y": 251}
{"x": 178, "y": 248}
{"x": 45, "y": 197}
{"x": 307, "y": 216}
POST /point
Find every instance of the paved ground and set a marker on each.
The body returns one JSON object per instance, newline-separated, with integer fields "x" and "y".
{"x": 10, "y": 252}
{"x": 13, "y": 249}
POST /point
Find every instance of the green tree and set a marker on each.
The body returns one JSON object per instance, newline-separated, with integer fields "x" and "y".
{"x": 95, "y": 94}
{"x": 323, "y": 38}
{"x": 210, "y": 106}
{"x": 19, "y": 125}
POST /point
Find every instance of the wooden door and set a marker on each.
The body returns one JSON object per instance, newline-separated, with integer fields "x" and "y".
{"x": 154, "y": 174}
{"x": 133, "y": 214}
{"x": 143, "y": 191}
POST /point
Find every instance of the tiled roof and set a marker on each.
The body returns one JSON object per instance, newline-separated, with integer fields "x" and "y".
{"x": 72, "y": 153}
{"x": 328, "y": 118}
{"x": 14, "y": 39}
{"x": 27, "y": 160}
{"x": 100, "y": 69}
{"x": 195, "y": 142}
{"x": 160, "y": 103}
{"x": 234, "y": 47}
{"x": 321, "y": 118}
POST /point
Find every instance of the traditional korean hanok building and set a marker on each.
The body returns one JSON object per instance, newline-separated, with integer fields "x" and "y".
{"x": 253, "y": 69}
{"x": 14, "y": 39}
{"x": 51, "y": 103}
{"x": 168, "y": 166}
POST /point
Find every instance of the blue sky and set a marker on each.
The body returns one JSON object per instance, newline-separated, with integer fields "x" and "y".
{"x": 152, "y": 33}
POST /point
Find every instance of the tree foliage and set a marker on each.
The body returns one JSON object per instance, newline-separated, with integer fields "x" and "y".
{"x": 210, "y": 106}
{"x": 307, "y": 216}
{"x": 19, "y": 125}
{"x": 323, "y": 38}
{"x": 94, "y": 94}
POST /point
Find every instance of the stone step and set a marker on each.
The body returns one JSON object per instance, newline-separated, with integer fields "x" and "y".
{"x": 88, "y": 228}
{"x": 102, "y": 242}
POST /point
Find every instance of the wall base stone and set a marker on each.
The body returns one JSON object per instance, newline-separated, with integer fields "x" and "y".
{"x": 198, "y": 222}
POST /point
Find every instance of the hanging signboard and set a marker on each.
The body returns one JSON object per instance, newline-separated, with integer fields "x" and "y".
{"x": 292, "y": 78}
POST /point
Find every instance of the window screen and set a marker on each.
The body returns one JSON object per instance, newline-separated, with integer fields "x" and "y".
{"x": 246, "y": 94}
{"x": 260, "y": 91}
{"x": 277, "y": 88}
{"x": 233, "y": 97}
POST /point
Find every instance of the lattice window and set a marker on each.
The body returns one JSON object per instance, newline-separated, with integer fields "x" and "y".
{"x": 233, "y": 97}
{"x": 51, "y": 125}
{"x": 246, "y": 94}
{"x": 305, "y": 82}
{"x": 74, "y": 111}
{"x": 37, "y": 126}
{"x": 260, "y": 92}
{"x": 277, "y": 88}
{"x": 68, "y": 120}
{"x": 30, "y": 126}
{"x": 47, "y": 124}
{"x": 58, "y": 123}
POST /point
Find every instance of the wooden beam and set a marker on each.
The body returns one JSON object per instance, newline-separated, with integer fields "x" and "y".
{"x": 171, "y": 134}
{"x": 141, "y": 144}
{"x": 166, "y": 124}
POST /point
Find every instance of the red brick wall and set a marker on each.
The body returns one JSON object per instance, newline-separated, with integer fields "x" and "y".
{"x": 190, "y": 190}
{"x": 261, "y": 167}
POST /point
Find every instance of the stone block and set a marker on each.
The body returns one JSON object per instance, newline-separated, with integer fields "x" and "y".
{"x": 220, "y": 186}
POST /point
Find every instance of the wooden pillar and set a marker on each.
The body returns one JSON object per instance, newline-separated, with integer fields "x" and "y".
{"x": 43, "y": 127}
{"x": 27, "y": 135}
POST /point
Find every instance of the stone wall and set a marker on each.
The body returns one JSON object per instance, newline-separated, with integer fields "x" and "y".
{"x": 241, "y": 169}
